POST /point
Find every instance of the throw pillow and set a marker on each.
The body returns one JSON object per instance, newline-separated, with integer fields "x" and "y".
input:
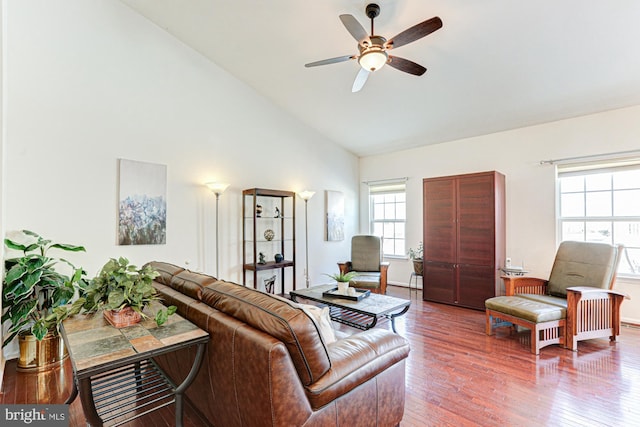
{"x": 320, "y": 317}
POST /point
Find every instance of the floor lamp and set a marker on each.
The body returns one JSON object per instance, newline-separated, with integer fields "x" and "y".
{"x": 217, "y": 188}
{"x": 306, "y": 195}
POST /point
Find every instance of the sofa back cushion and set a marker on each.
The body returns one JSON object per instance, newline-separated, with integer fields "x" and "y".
{"x": 280, "y": 318}
{"x": 583, "y": 264}
{"x": 183, "y": 281}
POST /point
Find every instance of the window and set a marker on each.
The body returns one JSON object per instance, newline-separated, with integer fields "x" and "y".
{"x": 601, "y": 203}
{"x": 388, "y": 214}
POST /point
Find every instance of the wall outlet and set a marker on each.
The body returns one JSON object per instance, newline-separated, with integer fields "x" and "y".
{"x": 508, "y": 262}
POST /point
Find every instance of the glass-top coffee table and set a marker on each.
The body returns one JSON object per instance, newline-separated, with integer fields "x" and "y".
{"x": 363, "y": 314}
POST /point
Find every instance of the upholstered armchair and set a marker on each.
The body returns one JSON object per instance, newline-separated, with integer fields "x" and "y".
{"x": 366, "y": 260}
{"x": 576, "y": 303}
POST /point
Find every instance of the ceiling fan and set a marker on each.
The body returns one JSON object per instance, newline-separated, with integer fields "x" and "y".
{"x": 373, "y": 48}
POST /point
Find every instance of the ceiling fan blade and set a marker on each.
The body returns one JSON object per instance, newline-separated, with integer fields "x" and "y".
{"x": 406, "y": 65}
{"x": 414, "y": 33}
{"x": 355, "y": 29}
{"x": 330, "y": 61}
{"x": 361, "y": 79}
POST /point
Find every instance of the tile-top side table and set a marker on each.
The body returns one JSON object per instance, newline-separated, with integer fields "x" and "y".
{"x": 114, "y": 369}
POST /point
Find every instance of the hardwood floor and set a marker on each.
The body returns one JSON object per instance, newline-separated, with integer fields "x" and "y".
{"x": 458, "y": 376}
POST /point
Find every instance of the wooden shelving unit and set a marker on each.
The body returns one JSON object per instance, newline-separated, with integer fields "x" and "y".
{"x": 268, "y": 228}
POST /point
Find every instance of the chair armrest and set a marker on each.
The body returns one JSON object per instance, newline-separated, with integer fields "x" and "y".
{"x": 384, "y": 268}
{"x": 344, "y": 267}
{"x": 592, "y": 313}
{"x": 524, "y": 285}
{"x": 586, "y": 290}
{"x": 354, "y": 361}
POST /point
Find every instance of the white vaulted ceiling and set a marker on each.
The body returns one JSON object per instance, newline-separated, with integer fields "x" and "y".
{"x": 495, "y": 64}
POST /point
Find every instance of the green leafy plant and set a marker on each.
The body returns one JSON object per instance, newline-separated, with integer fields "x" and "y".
{"x": 121, "y": 284}
{"x": 34, "y": 292}
{"x": 343, "y": 277}
{"x": 416, "y": 253}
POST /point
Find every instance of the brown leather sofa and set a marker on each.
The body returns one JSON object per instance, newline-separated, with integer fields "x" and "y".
{"x": 266, "y": 363}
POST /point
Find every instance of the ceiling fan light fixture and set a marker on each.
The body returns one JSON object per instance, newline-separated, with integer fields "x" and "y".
{"x": 373, "y": 59}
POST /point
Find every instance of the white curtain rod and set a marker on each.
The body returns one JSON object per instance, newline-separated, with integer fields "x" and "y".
{"x": 382, "y": 181}
{"x": 591, "y": 157}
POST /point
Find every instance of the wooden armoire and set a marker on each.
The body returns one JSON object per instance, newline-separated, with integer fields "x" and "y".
{"x": 464, "y": 238}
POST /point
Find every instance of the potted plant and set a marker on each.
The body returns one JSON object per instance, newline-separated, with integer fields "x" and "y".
{"x": 122, "y": 292}
{"x": 343, "y": 279}
{"x": 34, "y": 298}
{"x": 416, "y": 256}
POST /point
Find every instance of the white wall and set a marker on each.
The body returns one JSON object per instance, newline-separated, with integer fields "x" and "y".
{"x": 530, "y": 187}
{"x": 89, "y": 82}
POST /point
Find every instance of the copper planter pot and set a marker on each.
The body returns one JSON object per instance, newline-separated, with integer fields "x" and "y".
{"x": 41, "y": 355}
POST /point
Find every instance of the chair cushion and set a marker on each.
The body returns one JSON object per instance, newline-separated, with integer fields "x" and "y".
{"x": 533, "y": 311}
{"x": 546, "y": 299}
{"x": 582, "y": 264}
{"x": 365, "y": 253}
{"x": 366, "y": 281}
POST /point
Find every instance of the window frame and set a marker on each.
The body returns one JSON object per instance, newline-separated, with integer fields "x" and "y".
{"x": 386, "y": 188}
{"x": 626, "y": 267}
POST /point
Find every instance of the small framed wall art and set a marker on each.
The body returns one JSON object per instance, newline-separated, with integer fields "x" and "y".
{"x": 142, "y": 203}
{"x": 334, "y": 201}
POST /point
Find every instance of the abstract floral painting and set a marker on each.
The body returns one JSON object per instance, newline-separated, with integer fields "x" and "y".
{"x": 142, "y": 203}
{"x": 335, "y": 215}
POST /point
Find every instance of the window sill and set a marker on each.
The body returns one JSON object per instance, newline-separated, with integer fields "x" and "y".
{"x": 628, "y": 279}
{"x": 395, "y": 257}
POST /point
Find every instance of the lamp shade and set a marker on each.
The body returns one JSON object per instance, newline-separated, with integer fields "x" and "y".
{"x": 217, "y": 187}
{"x": 373, "y": 59}
{"x": 306, "y": 194}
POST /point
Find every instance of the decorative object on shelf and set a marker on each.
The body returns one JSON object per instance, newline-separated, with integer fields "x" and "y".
{"x": 261, "y": 259}
{"x": 277, "y": 215}
{"x": 278, "y": 257}
{"x": 269, "y": 234}
{"x": 121, "y": 285}
{"x": 334, "y": 215}
{"x": 217, "y": 188}
{"x": 306, "y": 195}
{"x": 142, "y": 203}
{"x": 258, "y": 210}
{"x": 268, "y": 283}
{"x": 416, "y": 256}
{"x": 34, "y": 294}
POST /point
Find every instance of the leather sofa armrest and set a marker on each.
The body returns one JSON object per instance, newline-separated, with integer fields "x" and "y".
{"x": 355, "y": 360}
{"x": 524, "y": 285}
